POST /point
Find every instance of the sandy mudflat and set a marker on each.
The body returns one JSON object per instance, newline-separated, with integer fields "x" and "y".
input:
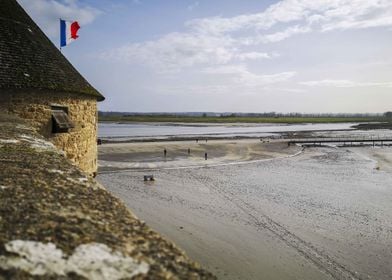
{"x": 381, "y": 155}
{"x": 151, "y": 155}
{"x": 325, "y": 213}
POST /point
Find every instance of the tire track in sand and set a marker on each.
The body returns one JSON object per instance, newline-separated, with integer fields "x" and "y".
{"x": 262, "y": 221}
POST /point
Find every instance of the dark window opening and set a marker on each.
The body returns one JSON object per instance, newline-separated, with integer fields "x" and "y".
{"x": 60, "y": 120}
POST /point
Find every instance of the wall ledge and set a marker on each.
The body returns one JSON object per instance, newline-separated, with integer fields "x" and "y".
{"x": 57, "y": 222}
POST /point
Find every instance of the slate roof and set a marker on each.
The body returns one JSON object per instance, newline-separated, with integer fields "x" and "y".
{"x": 29, "y": 60}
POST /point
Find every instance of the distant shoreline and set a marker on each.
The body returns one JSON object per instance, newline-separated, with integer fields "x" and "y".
{"x": 221, "y": 120}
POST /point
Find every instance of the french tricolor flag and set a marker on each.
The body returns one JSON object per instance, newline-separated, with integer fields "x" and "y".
{"x": 68, "y": 32}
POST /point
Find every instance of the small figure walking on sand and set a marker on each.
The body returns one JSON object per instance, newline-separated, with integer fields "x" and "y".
{"x": 189, "y": 151}
{"x": 197, "y": 140}
{"x": 206, "y": 140}
{"x": 164, "y": 152}
{"x": 205, "y": 156}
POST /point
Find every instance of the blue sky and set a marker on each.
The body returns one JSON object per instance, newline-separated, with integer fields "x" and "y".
{"x": 230, "y": 55}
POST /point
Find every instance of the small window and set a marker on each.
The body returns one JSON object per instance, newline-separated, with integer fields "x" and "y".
{"x": 60, "y": 120}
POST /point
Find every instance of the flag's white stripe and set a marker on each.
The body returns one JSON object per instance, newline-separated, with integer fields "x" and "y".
{"x": 68, "y": 32}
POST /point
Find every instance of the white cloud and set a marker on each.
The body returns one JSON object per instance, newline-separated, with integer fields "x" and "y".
{"x": 219, "y": 40}
{"x": 242, "y": 76}
{"x": 281, "y": 12}
{"x": 322, "y": 15}
{"x": 234, "y": 79}
{"x": 290, "y": 90}
{"x": 175, "y": 51}
{"x": 278, "y": 36}
{"x": 305, "y": 16}
{"x": 255, "y": 55}
{"x": 47, "y": 13}
{"x": 344, "y": 84}
{"x": 193, "y": 6}
{"x": 192, "y": 89}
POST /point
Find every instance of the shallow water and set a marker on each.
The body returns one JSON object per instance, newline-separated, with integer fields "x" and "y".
{"x": 134, "y": 131}
{"x": 325, "y": 214}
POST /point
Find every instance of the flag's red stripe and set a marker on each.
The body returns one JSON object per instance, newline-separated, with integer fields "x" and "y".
{"x": 74, "y": 30}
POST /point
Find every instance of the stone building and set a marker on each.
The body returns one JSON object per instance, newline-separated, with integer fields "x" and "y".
{"x": 39, "y": 84}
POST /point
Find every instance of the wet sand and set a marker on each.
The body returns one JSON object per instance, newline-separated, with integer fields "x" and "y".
{"x": 381, "y": 156}
{"x": 323, "y": 214}
{"x": 151, "y": 155}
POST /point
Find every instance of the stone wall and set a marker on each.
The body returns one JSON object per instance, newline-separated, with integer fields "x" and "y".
{"x": 58, "y": 223}
{"x": 79, "y": 144}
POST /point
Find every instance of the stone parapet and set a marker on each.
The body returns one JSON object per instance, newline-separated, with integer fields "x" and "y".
{"x": 58, "y": 223}
{"x": 79, "y": 144}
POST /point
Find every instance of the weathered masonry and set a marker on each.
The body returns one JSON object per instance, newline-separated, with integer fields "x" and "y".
{"x": 58, "y": 223}
{"x": 38, "y": 84}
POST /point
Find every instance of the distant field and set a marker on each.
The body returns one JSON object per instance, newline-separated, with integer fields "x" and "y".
{"x": 186, "y": 119}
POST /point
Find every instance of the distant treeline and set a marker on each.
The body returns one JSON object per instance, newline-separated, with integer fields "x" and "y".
{"x": 271, "y": 117}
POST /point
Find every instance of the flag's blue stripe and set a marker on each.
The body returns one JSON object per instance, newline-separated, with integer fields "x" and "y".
{"x": 63, "y": 40}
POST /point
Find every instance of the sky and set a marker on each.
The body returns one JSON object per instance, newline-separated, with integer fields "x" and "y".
{"x": 306, "y": 56}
